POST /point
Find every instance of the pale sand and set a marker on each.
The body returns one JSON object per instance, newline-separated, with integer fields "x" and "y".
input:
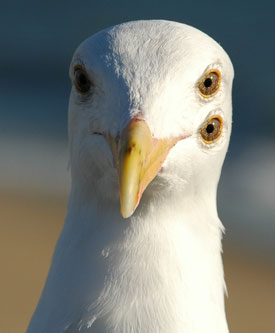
{"x": 30, "y": 225}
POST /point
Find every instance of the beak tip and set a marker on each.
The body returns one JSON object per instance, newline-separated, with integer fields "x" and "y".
{"x": 127, "y": 210}
{"x": 126, "y": 215}
{"x": 128, "y": 202}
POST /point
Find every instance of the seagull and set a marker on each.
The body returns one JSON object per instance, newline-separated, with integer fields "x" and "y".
{"x": 149, "y": 126}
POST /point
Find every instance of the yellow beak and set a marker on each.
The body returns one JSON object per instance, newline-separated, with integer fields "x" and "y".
{"x": 140, "y": 157}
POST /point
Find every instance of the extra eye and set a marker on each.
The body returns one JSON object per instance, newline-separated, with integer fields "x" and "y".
{"x": 81, "y": 80}
{"x": 210, "y": 83}
{"x": 211, "y": 129}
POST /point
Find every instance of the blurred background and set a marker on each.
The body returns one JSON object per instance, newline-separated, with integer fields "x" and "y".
{"x": 37, "y": 43}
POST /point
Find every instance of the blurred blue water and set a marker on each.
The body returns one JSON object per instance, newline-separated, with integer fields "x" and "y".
{"x": 34, "y": 106}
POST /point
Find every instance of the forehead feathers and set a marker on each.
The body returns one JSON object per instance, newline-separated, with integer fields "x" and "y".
{"x": 151, "y": 65}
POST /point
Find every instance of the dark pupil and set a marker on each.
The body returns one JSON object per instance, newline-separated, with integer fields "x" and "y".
{"x": 209, "y": 128}
{"x": 82, "y": 80}
{"x": 207, "y": 82}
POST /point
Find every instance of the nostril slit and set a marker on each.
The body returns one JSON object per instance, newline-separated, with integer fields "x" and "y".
{"x": 97, "y": 133}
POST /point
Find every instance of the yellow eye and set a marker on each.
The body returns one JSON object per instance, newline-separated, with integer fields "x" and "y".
{"x": 81, "y": 80}
{"x": 211, "y": 129}
{"x": 210, "y": 83}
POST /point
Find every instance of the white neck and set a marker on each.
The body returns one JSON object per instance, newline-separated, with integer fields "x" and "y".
{"x": 155, "y": 272}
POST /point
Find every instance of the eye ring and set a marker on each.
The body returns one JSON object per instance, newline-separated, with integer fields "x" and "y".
{"x": 81, "y": 80}
{"x": 212, "y": 129}
{"x": 210, "y": 83}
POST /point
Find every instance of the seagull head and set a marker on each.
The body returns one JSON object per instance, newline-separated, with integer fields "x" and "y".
{"x": 149, "y": 113}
